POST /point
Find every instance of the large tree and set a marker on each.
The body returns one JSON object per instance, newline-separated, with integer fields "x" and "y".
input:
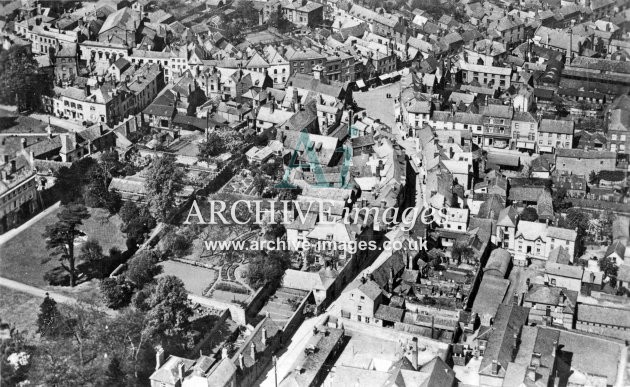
{"x": 94, "y": 260}
{"x": 268, "y": 268}
{"x": 71, "y": 181}
{"x": 142, "y": 268}
{"x": 136, "y": 222}
{"x": 60, "y": 237}
{"x": 529, "y": 214}
{"x": 219, "y": 142}
{"x": 610, "y": 269}
{"x": 168, "y": 309}
{"x": 116, "y": 292}
{"x": 462, "y": 252}
{"x": 21, "y": 81}
{"x": 49, "y": 319}
{"x": 78, "y": 356}
{"x": 164, "y": 180}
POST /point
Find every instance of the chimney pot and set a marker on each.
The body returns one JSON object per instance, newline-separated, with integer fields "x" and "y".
{"x": 180, "y": 371}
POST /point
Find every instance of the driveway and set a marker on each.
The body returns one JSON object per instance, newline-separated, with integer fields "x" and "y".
{"x": 37, "y": 292}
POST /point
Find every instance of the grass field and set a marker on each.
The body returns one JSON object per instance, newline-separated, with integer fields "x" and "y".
{"x": 21, "y": 257}
{"x": 196, "y": 279}
{"x": 19, "y": 309}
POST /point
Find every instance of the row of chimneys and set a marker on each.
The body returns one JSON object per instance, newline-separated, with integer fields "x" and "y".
{"x": 159, "y": 356}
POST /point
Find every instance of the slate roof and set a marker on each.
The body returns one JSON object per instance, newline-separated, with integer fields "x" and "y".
{"x": 563, "y": 270}
{"x": 255, "y": 338}
{"x": 308, "y": 82}
{"x": 508, "y": 322}
{"x": 498, "y": 263}
{"x": 556, "y": 126}
{"x": 389, "y": 313}
{"x": 585, "y": 154}
{"x": 604, "y": 315}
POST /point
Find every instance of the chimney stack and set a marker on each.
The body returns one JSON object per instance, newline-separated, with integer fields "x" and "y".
{"x": 23, "y": 142}
{"x": 180, "y": 371}
{"x": 241, "y": 362}
{"x": 12, "y": 166}
{"x": 264, "y": 336}
{"x": 495, "y": 367}
{"x": 414, "y": 353}
{"x": 531, "y": 373}
{"x": 159, "y": 358}
{"x": 253, "y": 352}
{"x": 224, "y": 353}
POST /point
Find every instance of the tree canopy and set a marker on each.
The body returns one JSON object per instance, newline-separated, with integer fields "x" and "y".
{"x": 219, "y": 142}
{"x": 167, "y": 308}
{"x": 142, "y": 268}
{"x": 164, "y": 180}
{"x": 21, "y": 81}
{"x": 268, "y": 268}
{"x": 60, "y": 237}
{"x": 529, "y": 214}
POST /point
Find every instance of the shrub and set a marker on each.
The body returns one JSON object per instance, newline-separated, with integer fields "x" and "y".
{"x": 227, "y": 287}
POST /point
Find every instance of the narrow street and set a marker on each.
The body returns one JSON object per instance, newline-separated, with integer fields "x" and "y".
{"x": 60, "y": 122}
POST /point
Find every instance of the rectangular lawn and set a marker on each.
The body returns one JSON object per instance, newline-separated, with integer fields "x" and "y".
{"x": 21, "y": 257}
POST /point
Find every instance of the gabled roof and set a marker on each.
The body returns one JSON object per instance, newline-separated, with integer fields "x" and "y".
{"x": 308, "y": 82}
{"x": 370, "y": 289}
{"x": 124, "y": 18}
{"x": 556, "y": 126}
{"x": 508, "y": 322}
{"x": 563, "y": 270}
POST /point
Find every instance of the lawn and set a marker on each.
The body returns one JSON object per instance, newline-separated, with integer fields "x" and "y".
{"x": 19, "y": 309}
{"x": 21, "y": 257}
{"x": 196, "y": 279}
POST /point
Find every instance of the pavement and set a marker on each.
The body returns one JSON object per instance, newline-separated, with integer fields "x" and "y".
{"x": 37, "y": 292}
{"x": 60, "y": 122}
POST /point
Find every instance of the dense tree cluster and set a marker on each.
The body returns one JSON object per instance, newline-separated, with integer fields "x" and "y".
{"x": 21, "y": 81}
{"x": 82, "y": 345}
{"x": 136, "y": 223}
{"x": 220, "y": 142}
{"x": 87, "y": 181}
{"x": 268, "y": 268}
{"x": 163, "y": 181}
